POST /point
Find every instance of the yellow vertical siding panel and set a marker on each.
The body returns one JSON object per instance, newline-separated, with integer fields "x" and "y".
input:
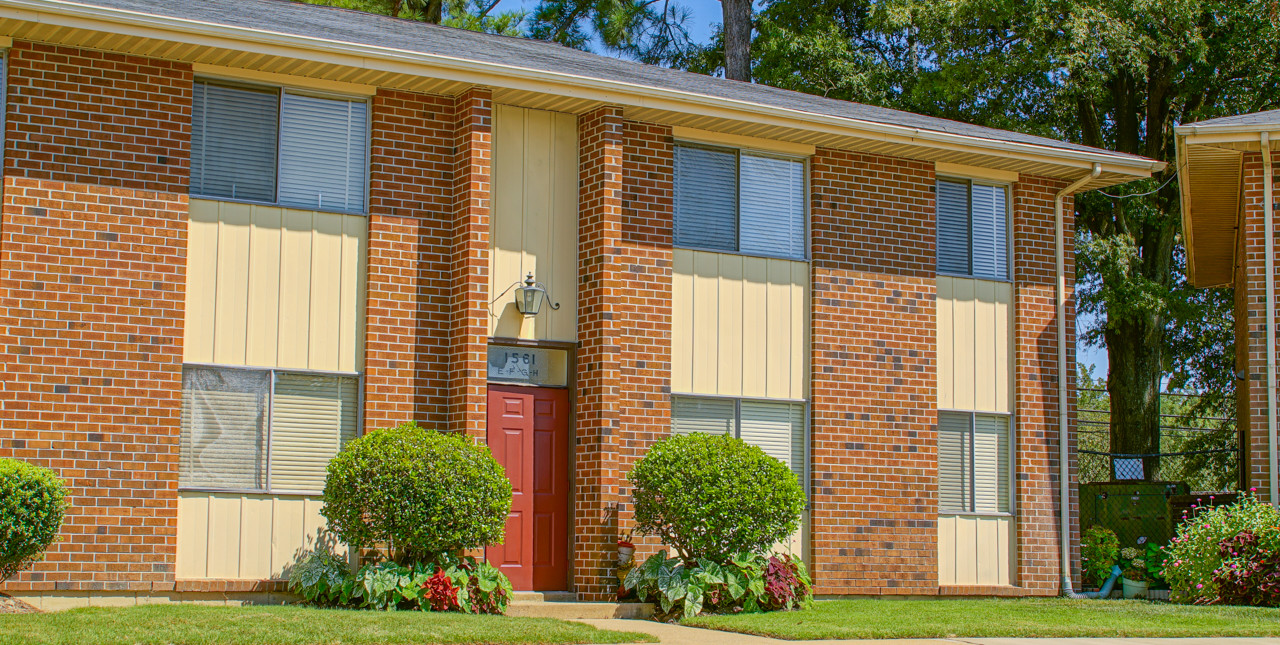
{"x": 729, "y": 365}
{"x": 755, "y": 327}
{"x": 288, "y": 535}
{"x": 946, "y": 549}
{"x": 706, "y": 321}
{"x": 230, "y": 313}
{"x": 963, "y": 346}
{"x": 295, "y": 290}
{"x": 778, "y": 343}
{"x": 988, "y": 557}
{"x": 264, "y": 287}
{"x": 682, "y": 320}
{"x": 193, "y": 535}
{"x": 255, "y": 535}
{"x": 984, "y": 351}
{"x": 202, "y": 271}
{"x": 355, "y": 236}
{"x": 1003, "y": 342}
{"x": 506, "y": 228}
{"x": 799, "y": 330}
{"x": 564, "y": 206}
{"x": 1006, "y": 551}
{"x": 536, "y": 252}
{"x": 946, "y": 343}
{"x": 315, "y": 526}
{"x": 966, "y": 551}
{"x": 324, "y": 320}
{"x": 224, "y": 536}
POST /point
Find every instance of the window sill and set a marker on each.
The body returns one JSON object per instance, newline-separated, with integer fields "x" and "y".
{"x": 249, "y": 491}
{"x": 743, "y": 255}
{"x": 256, "y": 202}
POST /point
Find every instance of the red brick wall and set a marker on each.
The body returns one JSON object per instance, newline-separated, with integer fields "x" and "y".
{"x": 411, "y": 238}
{"x": 645, "y": 313}
{"x": 1252, "y": 274}
{"x": 92, "y": 279}
{"x": 1036, "y": 383}
{"x": 597, "y": 404}
{"x": 873, "y": 388}
{"x": 473, "y": 141}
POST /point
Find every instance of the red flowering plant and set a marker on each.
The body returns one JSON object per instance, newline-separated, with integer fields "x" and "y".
{"x": 439, "y": 593}
{"x": 1224, "y": 554}
{"x": 1250, "y": 572}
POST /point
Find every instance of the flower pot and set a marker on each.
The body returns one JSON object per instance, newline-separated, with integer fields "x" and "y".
{"x": 1134, "y": 589}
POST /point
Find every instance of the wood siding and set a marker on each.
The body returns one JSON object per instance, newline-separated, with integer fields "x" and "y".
{"x": 246, "y": 537}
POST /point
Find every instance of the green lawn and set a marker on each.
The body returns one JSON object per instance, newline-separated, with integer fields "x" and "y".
{"x": 1048, "y": 617}
{"x": 198, "y": 625}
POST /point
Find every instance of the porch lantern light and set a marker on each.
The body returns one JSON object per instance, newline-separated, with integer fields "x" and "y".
{"x": 530, "y": 297}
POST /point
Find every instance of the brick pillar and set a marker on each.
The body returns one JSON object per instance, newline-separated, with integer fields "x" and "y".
{"x": 1036, "y": 384}
{"x": 599, "y": 373}
{"x": 408, "y": 311}
{"x": 469, "y": 275}
{"x": 1255, "y": 445}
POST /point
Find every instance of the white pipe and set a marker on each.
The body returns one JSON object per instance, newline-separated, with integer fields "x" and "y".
{"x": 1064, "y": 469}
{"x": 1268, "y": 241}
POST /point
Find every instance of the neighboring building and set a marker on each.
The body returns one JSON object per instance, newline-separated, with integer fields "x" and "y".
{"x": 237, "y": 233}
{"x": 1222, "y": 175}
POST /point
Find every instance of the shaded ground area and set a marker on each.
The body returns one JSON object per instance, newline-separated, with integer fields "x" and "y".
{"x": 988, "y": 618}
{"x": 198, "y": 625}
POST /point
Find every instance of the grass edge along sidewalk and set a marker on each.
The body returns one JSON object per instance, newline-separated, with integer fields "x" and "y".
{"x": 183, "y": 624}
{"x": 873, "y": 618}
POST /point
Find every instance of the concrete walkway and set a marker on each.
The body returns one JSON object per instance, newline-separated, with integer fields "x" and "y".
{"x": 679, "y": 635}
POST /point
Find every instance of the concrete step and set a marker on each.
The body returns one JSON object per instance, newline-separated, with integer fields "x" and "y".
{"x": 579, "y": 610}
{"x": 544, "y": 596}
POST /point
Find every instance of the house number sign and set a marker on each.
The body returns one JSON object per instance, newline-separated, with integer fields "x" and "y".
{"x": 529, "y": 365}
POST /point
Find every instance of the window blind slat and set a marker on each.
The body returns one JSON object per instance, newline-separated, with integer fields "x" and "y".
{"x": 990, "y": 240}
{"x": 322, "y": 152}
{"x": 991, "y": 463}
{"x": 953, "y": 227}
{"x": 953, "y": 462}
{"x": 233, "y": 142}
{"x": 712, "y": 416}
{"x": 706, "y": 190}
{"x": 777, "y": 429}
{"x": 222, "y": 441}
{"x": 772, "y": 207}
{"x": 310, "y": 415}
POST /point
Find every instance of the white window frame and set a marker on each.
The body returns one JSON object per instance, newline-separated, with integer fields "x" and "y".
{"x": 1008, "y": 228}
{"x": 1011, "y": 476}
{"x": 272, "y": 372}
{"x": 737, "y": 153}
{"x": 737, "y": 425}
{"x": 303, "y": 91}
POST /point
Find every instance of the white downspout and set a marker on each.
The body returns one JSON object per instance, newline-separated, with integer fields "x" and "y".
{"x": 1268, "y": 241}
{"x": 1064, "y": 469}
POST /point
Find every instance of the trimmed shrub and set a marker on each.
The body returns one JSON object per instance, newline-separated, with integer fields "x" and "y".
{"x": 711, "y": 496}
{"x": 32, "y": 501}
{"x": 418, "y": 493}
{"x": 1221, "y": 555}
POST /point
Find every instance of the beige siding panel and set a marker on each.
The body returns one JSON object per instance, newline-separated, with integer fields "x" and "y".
{"x": 975, "y": 550}
{"x": 682, "y": 321}
{"x": 295, "y": 290}
{"x": 947, "y": 549}
{"x": 730, "y": 350}
{"x": 706, "y": 322}
{"x": 246, "y": 537}
{"x": 1003, "y": 347}
{"x": 984, "y": 351}
{"x": 963, "y": 346}
{"x": 534, "y": 220}
{"x": 946, "y": 343}
{"x": 755, "y": 327}
{"x": 326, "y": 292}
{"x": 202, "y": 270}
{"x": 264, "y": 287}
{"x": 230, "y": 314}
{"x": 966, "y": 549}
{"x": 739, "y": 325}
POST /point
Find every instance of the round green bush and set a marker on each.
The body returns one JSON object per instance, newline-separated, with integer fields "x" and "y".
{"x": 32, "y": 501}
{"x": 1194, "y": 558}
{"x": 713, "y": 496}
{"x": 418, "y": 493}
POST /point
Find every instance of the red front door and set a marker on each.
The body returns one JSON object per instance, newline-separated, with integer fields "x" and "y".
{"x": 529, "y": 435}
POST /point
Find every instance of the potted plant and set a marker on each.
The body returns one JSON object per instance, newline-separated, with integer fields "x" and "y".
{"x": 1135, "y": 579}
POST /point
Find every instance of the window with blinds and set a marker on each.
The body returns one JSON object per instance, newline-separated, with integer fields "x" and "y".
{"x": 972, "y": 229}
{"x": 776, "y": 427}
{"x": 739, "y": 202}
{"x": 263, "y": 430}
{"x": 279, "y": 146}
{"x": 973, "y": 463}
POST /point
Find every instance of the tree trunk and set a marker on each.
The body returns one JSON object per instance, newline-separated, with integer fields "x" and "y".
{"x": 1133, "y": 383}
{"x": 737, "y": 39}
{"x": 434, "y": 11}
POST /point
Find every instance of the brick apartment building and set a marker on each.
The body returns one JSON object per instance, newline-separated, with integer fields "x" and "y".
{"x": 237, "y": 233}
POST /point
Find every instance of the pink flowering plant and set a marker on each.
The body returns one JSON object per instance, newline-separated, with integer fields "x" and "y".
{"x": 1210, "y": 550}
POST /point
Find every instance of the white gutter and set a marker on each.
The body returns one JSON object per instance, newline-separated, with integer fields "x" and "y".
{"x": 64, "y": 13}
{"x": 1268, "y": 241}
{"x": 1064, "y": 468}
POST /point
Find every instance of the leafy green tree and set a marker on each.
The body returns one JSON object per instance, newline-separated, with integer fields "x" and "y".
{"x": 475, "y": 15}
{"x": 650, "y": 31}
